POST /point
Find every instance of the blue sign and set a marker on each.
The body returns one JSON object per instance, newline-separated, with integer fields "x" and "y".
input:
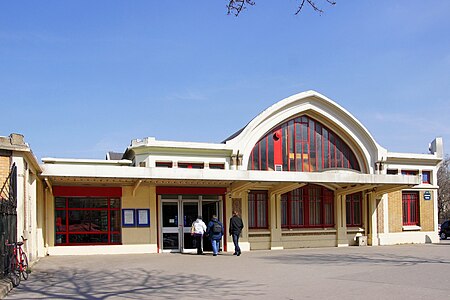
{"x": 427, "y": 195}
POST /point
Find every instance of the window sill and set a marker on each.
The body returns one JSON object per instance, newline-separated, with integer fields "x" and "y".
{"x": 308, "y": 230}
{"x": 411, "y": 228}
{"x": 258, "y": 231}
{"x": 355, "y": 229}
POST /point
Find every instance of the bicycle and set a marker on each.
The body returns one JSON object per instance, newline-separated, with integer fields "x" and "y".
{"x": 18, "y": 266}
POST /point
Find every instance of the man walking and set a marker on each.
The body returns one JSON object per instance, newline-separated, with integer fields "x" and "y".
{"x": 236, "y": 226}
{"x": 215, "y": 233}
{"x": 197, "y": 230}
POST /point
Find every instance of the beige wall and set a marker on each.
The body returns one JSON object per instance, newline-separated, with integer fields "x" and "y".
{"x": 259, "y": 240}
{"x": 144, "y": 197}
{"x": 50, "y": 219}
{"x": 41, "y": 222}
{"x": 243, "y": 198}
{"x": 309, "y": 239}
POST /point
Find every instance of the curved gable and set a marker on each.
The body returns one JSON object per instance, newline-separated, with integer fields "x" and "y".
{"x": 319, "y": 108}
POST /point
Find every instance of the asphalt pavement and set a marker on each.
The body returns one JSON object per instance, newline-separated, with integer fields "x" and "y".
{"x": 384, "y": 272}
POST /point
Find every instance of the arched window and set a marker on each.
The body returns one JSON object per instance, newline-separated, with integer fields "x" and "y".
{"x": 304, "y": 145}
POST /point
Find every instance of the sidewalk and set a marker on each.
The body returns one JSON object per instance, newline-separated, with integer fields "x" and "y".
{"x": 5, "y": 287}
{"x": 384, "y": 272}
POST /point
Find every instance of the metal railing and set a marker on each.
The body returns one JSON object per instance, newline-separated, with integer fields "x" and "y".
{"x": 8, "y": 218}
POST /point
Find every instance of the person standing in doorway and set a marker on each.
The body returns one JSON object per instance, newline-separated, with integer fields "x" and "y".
{"x": 197, "y": 230}
{"x": 236, "y": 226}
{"x": 215, "y": 233}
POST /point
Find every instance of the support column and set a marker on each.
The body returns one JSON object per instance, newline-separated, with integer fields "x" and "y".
{"x": 372, "y": 236}
{"x": 239, "y": 202}
{"x": 341, "y": 220}
{"x": 275, "y": 222}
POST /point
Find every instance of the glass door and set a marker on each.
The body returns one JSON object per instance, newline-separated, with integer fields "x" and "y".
{"x": 209, "y": 208}
{"x": 170, "y": 231}
{"x": 177, "y": 216}
{"x": 190, "y": 213}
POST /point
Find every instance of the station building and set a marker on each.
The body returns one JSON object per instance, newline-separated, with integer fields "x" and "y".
{"x": 303, "y": 173}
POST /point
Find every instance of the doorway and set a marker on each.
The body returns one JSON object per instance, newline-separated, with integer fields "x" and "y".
{"x": 177, "y": 215}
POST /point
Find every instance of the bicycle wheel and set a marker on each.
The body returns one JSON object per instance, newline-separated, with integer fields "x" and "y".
{"x": 14, "y": 273}
{"x": 24, "y": 265}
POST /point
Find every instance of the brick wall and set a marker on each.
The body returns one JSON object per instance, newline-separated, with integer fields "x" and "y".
{"x": 395, "y": 212}
{"x": 4, "y": 169}
{"x": 380, "y": 216}
{"x": 426, "y": 212}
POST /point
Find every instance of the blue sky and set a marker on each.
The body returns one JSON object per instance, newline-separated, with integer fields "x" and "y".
{"x": 80, "y": 78}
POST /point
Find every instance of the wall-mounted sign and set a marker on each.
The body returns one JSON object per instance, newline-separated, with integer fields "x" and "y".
{"x": 427, "y": 195}
{"x": 128, "y": 217}
{"x": 132, "y": 217}
{"x": 143, "y": 217}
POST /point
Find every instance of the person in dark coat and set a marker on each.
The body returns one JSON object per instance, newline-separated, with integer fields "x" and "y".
{"x": 236, "y": 226}
{"x": 215, "y": 233}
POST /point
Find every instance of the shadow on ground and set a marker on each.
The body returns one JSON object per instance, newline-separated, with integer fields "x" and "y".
{"x": 129, "y": 284}
{"x": 353, "y": 259}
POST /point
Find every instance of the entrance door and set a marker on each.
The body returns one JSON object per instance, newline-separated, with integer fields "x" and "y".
{"x": 209, "y": 208}
{"x": 177, "y": 216}
{"x": 190, "y": 213}
{"x": 170, "y": 231}
{"x": 176, "y": 231}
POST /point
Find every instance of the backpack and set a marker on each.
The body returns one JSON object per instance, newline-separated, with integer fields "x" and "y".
{"x": 217, "y": 228}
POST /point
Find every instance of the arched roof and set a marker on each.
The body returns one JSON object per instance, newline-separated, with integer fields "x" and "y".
{"x": 322, "y": 109}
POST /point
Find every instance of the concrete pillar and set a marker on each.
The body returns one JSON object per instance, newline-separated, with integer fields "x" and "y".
{"x": 341, "y": 221}
{"x": 233, "y": 162}
{"x": 242, "y": 198}
{"x": 372, "y": 236}
{"x": 275, "y": 222}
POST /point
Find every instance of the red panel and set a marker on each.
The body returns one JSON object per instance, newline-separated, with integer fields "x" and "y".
{"x": 86, "y": 191}
{"x": 278, "y": 147}
{"x": 190, "y": 190}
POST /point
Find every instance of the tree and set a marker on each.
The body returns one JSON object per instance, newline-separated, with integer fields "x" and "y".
{"x": 236, "y": 6}
{"x": 443, "y": 180}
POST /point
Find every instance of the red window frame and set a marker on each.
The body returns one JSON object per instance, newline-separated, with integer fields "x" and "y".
{"x": 426, "y": 177}
{"x": 164, "y": 164}
{"x": 258, "y": 200}
{"x": 354, "y": 209}
{"x": 217, "y": 166}
{"x": 306, "y": 197}
{"x": 410, "y": 208}
{"x": 392, "y": 172}
{"x": 74, "y": 192}
{"x": 191, "y": 165}
{"x": 410, "y": 172}
{"x": 68, "y": 233}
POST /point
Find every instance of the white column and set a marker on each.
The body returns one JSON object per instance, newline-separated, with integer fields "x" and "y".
{"x": 275, "y": 222}
{"x": 341, "y": 221}
{"x": 373, "y": 234}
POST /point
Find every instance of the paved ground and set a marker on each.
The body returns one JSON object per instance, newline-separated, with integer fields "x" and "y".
{"x": 387, "y": 272}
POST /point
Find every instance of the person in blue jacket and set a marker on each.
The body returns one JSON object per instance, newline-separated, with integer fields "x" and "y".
{"x": 215, "y": 233}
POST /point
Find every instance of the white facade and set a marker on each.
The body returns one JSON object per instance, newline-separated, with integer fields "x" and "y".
{"x": 145, "y": 184}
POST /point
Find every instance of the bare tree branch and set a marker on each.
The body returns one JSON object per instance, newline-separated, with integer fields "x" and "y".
{"x": 236, "y": 6}
{"x": 313, "y": 5}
